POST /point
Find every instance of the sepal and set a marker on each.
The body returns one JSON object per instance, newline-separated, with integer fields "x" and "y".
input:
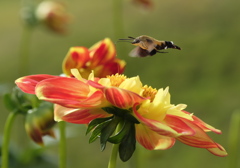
{"x": 96, "y": 122}
{"x": 96, "y": 133}
{"x": 123, "y": 124}
{"x": 118, "y": 137}
{"x": 20, "y": 102}
{"x": 128, "y": 143}
{"x": 108, "y": 130}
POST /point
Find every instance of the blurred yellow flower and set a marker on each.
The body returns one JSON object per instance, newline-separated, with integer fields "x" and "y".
{"x": 147, "y": 4}
{"x": 54, "y": 15}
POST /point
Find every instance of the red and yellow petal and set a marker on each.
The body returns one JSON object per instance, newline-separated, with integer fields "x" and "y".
{"x": 201, "y": 140}
{"x": 151, "y": 140}
{"x": 77, "y": 116}
{"x": 95, "y": 84}
{"x": 102, "y": 52}
{"x": 113, "y": 67}
{"x": 119, "y": 65}
{"x": 119, "y": 97}
{"x": 206, "y": 127}
{"x": 28, "y": 83}
{"x": 95, "y": 100}
{"x": 76, "y": 57}
{"x": 122, "y": 98}
{"x": 178, "y": 125}
{"x": 156, "y": 126}
{"x": 220, "y": 151}
{"x": 84, "y": 116}
{"x": 60, "y": 111}
{"x": 68, "y": 92}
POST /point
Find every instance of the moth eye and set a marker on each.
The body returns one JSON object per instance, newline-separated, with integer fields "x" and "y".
{"x": 135, "y": 41}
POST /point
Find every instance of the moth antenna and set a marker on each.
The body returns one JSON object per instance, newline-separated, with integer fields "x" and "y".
{"x": 131, "y": 37}
{"x": 122, "y": 41}
{"x": 126, "y": 40}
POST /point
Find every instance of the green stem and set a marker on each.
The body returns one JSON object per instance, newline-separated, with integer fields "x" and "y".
{"x": 118, "y": 19}
{"x": 113, "y": 158}
{"x": 234, "y": 139}
{"x": 62, "y": 145}
{"x": 24, "y": 51}
{"x": 118, "y": 25}
{"x": 6, "y": 138}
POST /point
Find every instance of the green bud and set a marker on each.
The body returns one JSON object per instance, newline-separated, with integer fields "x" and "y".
{"x": 39, "y": 122}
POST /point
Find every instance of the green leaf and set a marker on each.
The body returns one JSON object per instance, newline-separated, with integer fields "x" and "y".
{"x": 123, "y": 113}
{"x": 108, "y": 109}
{"x": 9, "y": 103}
{"x": 97, "y": 131}
{"x": 96, "y": 122}
{"x": 107, "y": 131}
{"x": 131, "y": 118}
{"x": 116, "y": 111}
{"x": 128, "y": 144}
{"x": 116, "y": 139}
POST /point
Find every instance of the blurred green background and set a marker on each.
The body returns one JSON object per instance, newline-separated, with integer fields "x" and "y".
{"x": 204, "y": 74}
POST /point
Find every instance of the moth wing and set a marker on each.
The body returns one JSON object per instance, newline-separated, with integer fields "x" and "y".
{"x": 139, "y": 52}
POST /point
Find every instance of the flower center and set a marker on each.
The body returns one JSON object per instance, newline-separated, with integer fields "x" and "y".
{"x": 116, "y": 79}
{"x": 148, "y": 91}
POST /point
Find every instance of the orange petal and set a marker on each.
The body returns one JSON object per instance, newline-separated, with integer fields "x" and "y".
{"x": 152, "y": 140}
{"x": 77, "y": 116}
{"x": 206, "y": 127}
{"x": 95, "y": 84}
{"x": 201, "y": 140}
{"x": 76, "y": 57}
{"x": 112, "y": 67}
{"x": 102, "y": 52}
{"x": 28, "y": 83}
{"x": 119, "y": 97}
{"x": 68, "y": 92}
{"x": 156, "y": 126}
{"x": 60, "y": 111}
{"x": 84, "y": 116}
{"x": 178, "y": 125}
{"x": 122, "y": 98}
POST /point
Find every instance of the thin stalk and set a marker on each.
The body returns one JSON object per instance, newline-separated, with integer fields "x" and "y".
{"x": 118, "y": 18}
{"x": 234, "y": 139}
{"x": 6, "y": 138}
{"x": 113, "y": 158}
{"x": 62, "y": 144}
{"x": 24, "y": 60}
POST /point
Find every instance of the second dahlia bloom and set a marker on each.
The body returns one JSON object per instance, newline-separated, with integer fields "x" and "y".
{"x": 101, "y": 58}
{"x": 103, "y": 103}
